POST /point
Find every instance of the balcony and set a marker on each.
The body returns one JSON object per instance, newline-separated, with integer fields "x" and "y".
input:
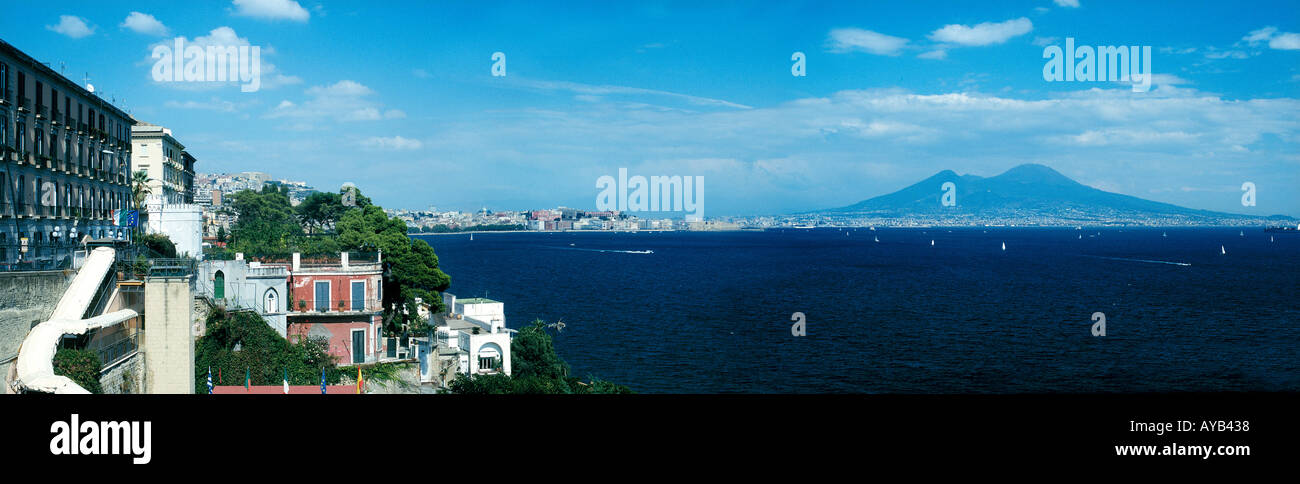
{"x": 54, "y": 117}
{"x": 25, "y": 106}
{"x": 41, "y": 112}
{"x": 81, "y": 129}
{"x": 339, "y": 307}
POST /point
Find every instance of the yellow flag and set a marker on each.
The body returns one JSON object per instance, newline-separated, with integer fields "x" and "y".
{"x": 358, "y": 379}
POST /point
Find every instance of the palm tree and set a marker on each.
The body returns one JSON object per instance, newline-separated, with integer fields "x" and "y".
{"x": 140, "y": 190}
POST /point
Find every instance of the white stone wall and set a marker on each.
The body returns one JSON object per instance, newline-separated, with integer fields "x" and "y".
{"x": 182, "y": 223}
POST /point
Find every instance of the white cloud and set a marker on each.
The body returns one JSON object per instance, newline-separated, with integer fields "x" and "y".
{"x": 934, "y": 54}
{"x": 143, "y": 23}
{"x": 71, "y": 26}
{"x": 212, "y": 104}
{"x": 595, "y": 92}
{"x": 1067, "y": 3}
{"x": 344, "y": 100}
{"x": 860, "y": 40}
{"x": 1045, "y": 41}
{"x": 987, "y": 33}
{"x": 226, "y": 37}
{"x": 1260, "y": 35}
{"x": 271, "y": 10}
{"x": 1275, "y": 39}
{"x": 1286, "y": 41}
{"x": 394, "y": 143}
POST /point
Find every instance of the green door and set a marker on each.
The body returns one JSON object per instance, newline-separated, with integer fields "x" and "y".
{"x": 358, "y": 346}
{"x": 219, "y": 286}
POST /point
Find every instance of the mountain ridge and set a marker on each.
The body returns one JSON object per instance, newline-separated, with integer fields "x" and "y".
{"x": 1026, "y": 191}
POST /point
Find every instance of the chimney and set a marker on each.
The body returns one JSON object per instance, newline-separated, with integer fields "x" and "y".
{"x": 343, "y": 256}
{"x": 297, "y": 260}
{"x": 239, "y": 256}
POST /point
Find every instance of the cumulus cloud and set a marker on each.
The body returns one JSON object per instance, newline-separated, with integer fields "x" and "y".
{"x": 226, "y": 37}
{"x": 271, "y": 10}
{"x": 860, "y": 40}
{"x": 143, "y": 23}
{"x": 987, "y": 33}
{"x": 71, "y": 26}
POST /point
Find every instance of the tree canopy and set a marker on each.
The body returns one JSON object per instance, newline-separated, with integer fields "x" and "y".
{"x": 411, "y": 265}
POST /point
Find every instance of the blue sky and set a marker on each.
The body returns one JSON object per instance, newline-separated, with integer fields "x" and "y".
{"x": 399, "y": 97}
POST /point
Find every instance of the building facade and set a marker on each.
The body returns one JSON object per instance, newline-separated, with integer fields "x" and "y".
{"x": 65, "y": 159}
{"x": 248, "y": 285}
{"x": 170, "y": 167}
{"x": 340, "y": 300}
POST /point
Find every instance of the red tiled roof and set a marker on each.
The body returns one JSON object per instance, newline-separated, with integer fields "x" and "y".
{"x": 278, "y": 389}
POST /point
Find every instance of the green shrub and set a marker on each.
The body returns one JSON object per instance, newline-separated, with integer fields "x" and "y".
{"x": 82, "y": 366}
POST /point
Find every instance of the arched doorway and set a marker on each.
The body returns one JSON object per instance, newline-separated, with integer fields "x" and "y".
{"x": 219, "y": 286}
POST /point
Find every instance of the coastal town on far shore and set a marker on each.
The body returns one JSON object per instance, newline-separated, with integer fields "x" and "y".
{"x": 211, "y": 188}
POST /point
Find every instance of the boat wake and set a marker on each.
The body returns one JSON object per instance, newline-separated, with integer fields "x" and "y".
{"x": 1149, "y": 261}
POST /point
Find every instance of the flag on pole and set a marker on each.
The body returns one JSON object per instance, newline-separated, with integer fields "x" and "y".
{"x": 359, "y": 381}
{"x": 286, "y": 380}
{"x": 248, "y": 380}
{"x": 209, "y": 380}
{"x": 322, "y": 381}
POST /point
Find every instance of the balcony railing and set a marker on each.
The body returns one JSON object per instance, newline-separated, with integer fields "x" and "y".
{"x": 337, "y": 306}
{"x": 41, "y": 112}
{"x": 25, "y": 105}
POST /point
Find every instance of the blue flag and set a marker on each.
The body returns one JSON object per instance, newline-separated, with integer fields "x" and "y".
{"x": 209, "y": 380}
{"x": 322, "y": 381}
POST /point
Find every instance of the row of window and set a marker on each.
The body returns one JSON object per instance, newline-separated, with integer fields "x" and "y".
{"x": 49, "y": 193}
{"x": 118, "y": 129}
{"x": 77, "y": 156}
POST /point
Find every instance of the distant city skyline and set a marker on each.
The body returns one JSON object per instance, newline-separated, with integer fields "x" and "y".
{"x": 400, "y": 98}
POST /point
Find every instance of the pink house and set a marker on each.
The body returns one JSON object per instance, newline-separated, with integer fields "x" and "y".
{"x": 339, "y": 299}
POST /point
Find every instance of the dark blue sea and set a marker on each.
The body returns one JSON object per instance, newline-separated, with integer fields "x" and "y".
{"x": 711, "y": 312}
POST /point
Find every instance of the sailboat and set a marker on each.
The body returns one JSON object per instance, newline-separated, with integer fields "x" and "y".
{"x": 1242, "y": 234}
{"x": 931, "y": 242}
{"x": 1004, "y": 246}
{"x": 1270, "y": 239}
{"x": 877, "y": 239}
{"x": 1223, "y": 250}
{"x": 471, "y": 236}
{"x": 1164, "y": 234}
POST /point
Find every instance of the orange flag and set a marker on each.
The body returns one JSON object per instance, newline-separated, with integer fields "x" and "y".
{"x": 359, "y": 380}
